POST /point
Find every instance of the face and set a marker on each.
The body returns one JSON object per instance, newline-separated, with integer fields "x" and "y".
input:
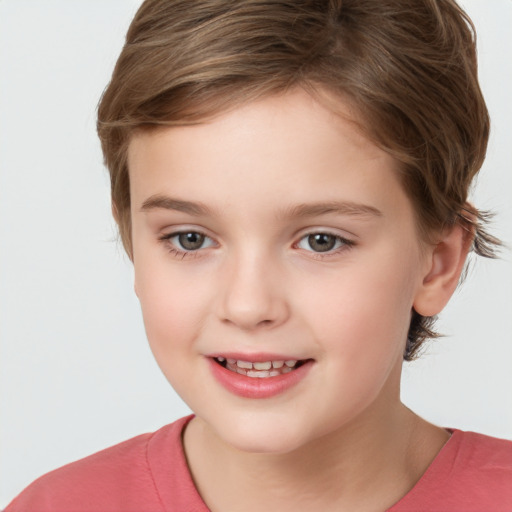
{"x": 274, "y": 233}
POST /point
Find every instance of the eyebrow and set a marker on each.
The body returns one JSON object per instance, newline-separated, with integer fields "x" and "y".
{"x": 337, "y": 207}
{"x": 303, "y": 210}
{"x": 170, "y": 203}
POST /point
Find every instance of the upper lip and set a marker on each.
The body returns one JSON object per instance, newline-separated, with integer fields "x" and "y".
{"x": 257, "y": 357}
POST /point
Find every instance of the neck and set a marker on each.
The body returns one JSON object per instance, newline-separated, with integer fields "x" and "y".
{"x": 364, "y": 466}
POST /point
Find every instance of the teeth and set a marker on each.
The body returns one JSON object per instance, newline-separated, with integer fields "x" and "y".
{"x": 260, "y": 369}
{"x": 259, "y": 374}
{"x": 263, "y": 366}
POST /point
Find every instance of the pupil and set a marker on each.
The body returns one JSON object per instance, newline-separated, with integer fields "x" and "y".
{"x": 321, "y": 242}
{"x": 191, "y": 241}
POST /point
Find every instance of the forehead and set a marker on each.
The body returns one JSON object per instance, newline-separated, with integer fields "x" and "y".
{"x": 284, "y": 147}
{"x": 319, "y": 106}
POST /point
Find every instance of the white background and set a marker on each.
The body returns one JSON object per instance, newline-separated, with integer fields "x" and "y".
{"x": 76, "y": 373}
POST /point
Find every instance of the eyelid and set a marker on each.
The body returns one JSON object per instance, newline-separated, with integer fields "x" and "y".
{"x": 172, "y": 230}
{"x": 316, "y": 230}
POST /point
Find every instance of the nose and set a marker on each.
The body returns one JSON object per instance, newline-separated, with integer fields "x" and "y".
{"x": 253, "y": 294}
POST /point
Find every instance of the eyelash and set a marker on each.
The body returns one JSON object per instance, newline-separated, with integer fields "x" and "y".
{"x": 166, "y": 240}
{"x": 345, "y": 244}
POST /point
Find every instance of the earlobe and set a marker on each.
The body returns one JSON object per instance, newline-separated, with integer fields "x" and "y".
{"x": 444, "y": 268}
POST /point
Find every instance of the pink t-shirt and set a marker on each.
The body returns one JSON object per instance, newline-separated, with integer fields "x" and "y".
{"x": 472, "y": 473}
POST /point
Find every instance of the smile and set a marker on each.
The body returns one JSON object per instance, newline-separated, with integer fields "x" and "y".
{"x": 258, "y": 379}
{"x": 260, "y": 369}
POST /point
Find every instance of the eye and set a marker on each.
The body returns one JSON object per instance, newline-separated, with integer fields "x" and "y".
{"x": 323, "y": 242}
{"x": 188, "y": 241}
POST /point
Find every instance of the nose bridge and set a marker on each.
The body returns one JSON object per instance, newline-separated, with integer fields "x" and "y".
{"x": 252, "y": 295}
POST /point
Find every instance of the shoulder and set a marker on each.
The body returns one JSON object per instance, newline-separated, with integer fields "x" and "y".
{"x": 482, "y": 457}
{"x": 472, "y": 473}
{"x": 483, "y": 453}
{"x": 119, "y": 478}
{"x": 479, "y": 472}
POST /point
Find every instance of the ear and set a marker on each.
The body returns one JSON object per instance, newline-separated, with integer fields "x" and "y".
{"x": 444, "y": 265}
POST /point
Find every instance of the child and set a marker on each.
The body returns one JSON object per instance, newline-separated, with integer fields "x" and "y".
{"x": 290, "y": 180}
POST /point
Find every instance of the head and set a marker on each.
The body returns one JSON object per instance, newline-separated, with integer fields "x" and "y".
{"x": 407, "y": 70}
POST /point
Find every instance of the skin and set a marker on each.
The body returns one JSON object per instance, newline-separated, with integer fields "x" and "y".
{"x": 340, "y": 439}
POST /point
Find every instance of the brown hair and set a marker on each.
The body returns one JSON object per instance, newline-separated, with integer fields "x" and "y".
{"x": 407, "y": 66}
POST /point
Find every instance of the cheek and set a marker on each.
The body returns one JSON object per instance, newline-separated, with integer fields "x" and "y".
{"x": 173, "y": 307}
{"x": 364, "y": 312}
{"x": 172, "y": 303}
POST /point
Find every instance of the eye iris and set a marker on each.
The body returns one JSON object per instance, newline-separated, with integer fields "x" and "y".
{"x": 321, "y": 242}
{"x": 191, "y": 241}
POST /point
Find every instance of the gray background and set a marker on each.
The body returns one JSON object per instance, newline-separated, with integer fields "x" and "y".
{"x": 76, "y": 374}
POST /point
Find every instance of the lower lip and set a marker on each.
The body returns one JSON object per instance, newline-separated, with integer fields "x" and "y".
{"x": 254, "y": 387}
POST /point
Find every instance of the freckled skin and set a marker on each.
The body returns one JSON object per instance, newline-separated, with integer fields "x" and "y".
{"x": 256, "y": 285}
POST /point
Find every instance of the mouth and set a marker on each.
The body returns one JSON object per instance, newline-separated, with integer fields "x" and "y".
{"x": 260, "y": 369}
{"x": 266, "y": 376}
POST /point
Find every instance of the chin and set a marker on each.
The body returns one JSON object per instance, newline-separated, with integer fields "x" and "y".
{"x": 272, "y": 445}
{"x": 263, "y": 437}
